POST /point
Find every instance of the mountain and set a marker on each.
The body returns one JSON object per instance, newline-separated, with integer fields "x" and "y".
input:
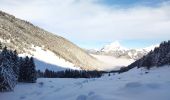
{"x": 31, "y": 40}
{"x": 116, "y": 50}
{"x": 160, "y": 56}
{"x": 114, "y": 46}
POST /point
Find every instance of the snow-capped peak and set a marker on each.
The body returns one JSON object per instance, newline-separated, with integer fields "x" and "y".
{"x": 149, "y": 48}
{"x": 117, "y": 50}
{"x": 114, "y": 46}
{"x": 152, "y": 47}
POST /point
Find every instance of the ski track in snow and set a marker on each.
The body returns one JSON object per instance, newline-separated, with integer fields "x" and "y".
{"x": 133, "y": 85}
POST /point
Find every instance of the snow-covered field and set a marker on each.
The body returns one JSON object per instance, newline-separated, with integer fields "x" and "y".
{"x": 112, "y": 63}
{"x": 137, "y": 84}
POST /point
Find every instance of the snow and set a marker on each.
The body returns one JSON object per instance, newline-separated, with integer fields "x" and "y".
{"x": 117, "y": 50}
{"x": 130, "y": 54}
{"x": 47, "y": 59}
{"x": 114, "y": 46}
{"x": 148, "y": 49}
{"x": 5, "y": 41}
{"x": 152, "y": 47}
{"x": 2, "y": 40}
{"x": 137, "y": 84}
{"x": 112, "y": 63}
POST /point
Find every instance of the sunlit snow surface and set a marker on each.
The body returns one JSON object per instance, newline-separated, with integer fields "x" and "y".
{"x": 137, "y": 84}
{"x": 45, "y": 59}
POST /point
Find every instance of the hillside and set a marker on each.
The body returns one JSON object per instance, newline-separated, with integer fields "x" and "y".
{"x": 25, "y": 37}
{"x": 160, "y": 56}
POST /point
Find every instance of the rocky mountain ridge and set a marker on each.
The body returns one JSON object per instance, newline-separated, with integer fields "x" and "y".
{"x": 116, "y": 50}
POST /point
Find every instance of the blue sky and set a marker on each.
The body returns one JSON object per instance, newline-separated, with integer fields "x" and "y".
{"x": 130, "y": 3}
{"x": 94, "y": 23}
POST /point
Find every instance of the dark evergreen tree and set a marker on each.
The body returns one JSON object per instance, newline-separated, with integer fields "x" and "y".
{"x": 8, "y": 78}
{"x": 23, "y": 69}
{"x": 27, "y": 71}
{"x": 158, "y": 57}
{"x": 15, "y": 62}
{"x": 13, "y": 69}
{"x": 0, "y": 45}
{"x": 72, "y": 74}
{"x": 40, "y": 74}
{"x": 32, "y": 76}
{"x": 47, "y": 73}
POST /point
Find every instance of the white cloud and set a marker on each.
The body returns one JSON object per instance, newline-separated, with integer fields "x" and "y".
{"x": 85, "y": 20}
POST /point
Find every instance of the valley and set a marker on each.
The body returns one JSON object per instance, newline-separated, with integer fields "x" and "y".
{"x": 84, "y": 50}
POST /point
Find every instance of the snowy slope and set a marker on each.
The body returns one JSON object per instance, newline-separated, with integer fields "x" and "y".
{"x": 46, "y": 59}
{"x": 150, "y": 47}
{"x": 133, "y": 85}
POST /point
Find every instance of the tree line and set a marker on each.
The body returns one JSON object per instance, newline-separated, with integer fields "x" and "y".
{"x": 160, "y": 56}
{"x": 70, "y": 74}
{"x": 14, "y": 69}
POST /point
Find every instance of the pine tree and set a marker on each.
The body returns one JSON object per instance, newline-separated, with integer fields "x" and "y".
{"x": 23, "y": 69}
{"x": 0, "y": 45}
{"x": 8, "y": 78}
{"x": 13, "y": 69}
{"x": 27, "y": 71}
{"x": 160, "y": 56}
{"x": 32, "y": 72}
